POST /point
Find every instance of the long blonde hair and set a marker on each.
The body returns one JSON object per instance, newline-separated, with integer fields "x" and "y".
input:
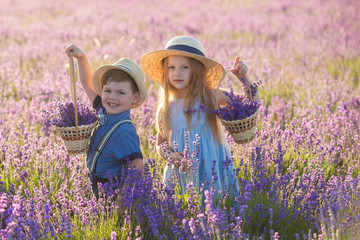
{"x": 197, "y": 90}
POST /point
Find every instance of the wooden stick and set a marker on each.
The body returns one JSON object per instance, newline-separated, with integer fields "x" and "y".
{"x": 248, "y": 91}
{"x": 247, "y": 88}
{"x": 217, "y": 89}
{"x": 73, "y": 91}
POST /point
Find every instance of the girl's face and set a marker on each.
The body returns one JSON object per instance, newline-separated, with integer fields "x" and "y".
{"x": 179, "y": 74}
{"x": 118, "y": 97}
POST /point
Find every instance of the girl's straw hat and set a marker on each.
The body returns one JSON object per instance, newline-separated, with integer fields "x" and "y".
{"x": 182, "y": 46}
{"x": 125, "y": 65}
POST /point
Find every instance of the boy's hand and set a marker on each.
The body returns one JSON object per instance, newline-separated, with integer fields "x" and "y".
{"x": 76, "y": 51}
{"x": 239, "y": 69}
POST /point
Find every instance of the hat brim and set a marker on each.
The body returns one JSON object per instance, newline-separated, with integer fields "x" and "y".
{"x": 99, "y": 73}
{"x": 153, "y": 66}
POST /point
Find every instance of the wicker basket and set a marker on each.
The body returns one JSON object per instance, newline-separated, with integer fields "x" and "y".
{"x": 243, "y": 131}
{"x": 77, "y": 140}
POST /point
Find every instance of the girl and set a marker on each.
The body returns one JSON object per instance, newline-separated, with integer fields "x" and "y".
{"x": 189, "y": 81}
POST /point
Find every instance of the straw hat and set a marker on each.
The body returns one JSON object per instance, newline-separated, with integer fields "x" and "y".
{"x": 125, "y": 65}
{"x": 182, "y": 46}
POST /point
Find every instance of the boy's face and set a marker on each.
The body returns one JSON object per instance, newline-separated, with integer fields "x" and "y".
{"x": 118, "y": 97}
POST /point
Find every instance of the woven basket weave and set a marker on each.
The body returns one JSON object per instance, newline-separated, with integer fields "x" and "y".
{"x": 76, "y": 140}
{"x": 243, "y": 131}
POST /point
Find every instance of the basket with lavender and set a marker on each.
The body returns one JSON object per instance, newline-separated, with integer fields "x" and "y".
{"x": 73, "y": 120}
{"x": 239, "y": 116}
{"x": 74, "y": 126}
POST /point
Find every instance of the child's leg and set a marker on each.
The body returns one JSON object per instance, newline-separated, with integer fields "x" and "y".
{"x": 94, "y": 184}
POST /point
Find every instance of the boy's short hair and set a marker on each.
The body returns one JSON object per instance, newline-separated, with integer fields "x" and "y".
{"x": 116, "y": 75}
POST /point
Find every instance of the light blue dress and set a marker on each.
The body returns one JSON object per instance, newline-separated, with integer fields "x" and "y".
{"x": 212, "y": 162}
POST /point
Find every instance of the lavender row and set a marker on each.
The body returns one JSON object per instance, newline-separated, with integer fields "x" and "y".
{"x": 299, "y": 178}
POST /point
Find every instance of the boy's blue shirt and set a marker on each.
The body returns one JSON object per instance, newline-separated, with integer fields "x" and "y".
{"x": 122, "y": 147}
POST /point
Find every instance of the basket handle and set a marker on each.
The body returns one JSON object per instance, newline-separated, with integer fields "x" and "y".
{"x": 73, "y": 91}
{"x": 247, "y": 88}
{"x": 217, "y": 89}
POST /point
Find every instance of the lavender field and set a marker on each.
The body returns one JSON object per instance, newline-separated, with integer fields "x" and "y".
{"x": 300, "y": 177}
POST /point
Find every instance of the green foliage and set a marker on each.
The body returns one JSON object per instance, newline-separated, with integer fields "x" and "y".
{"x": 345, "y": 68}
{"x": 297, "y": 159}
{"x": 284, "y": 90}
{"x": 256, "y": 222}
{"x": 99, "y": 227}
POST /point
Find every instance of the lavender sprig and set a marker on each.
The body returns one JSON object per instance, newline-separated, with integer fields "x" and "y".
{"x": 238, "y": 107}
{"x": 253, "y": 88}
{"x": 63, "y": 114}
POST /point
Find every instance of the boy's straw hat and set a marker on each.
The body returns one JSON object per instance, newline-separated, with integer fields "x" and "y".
{"x": 125, "y": 65}
{"x": 182, "y": 46}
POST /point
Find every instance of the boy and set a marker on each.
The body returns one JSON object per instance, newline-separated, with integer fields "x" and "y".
{"x": 113, "y": 90}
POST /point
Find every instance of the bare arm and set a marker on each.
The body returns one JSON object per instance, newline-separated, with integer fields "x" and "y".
{"x": 240, "y": 71}
{"x": 138, "y": 164}
{"x": 164, "y": 150}
{"x": 85, "y": 70}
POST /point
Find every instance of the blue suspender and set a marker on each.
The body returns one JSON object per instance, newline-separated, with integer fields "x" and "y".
{"x": 103, "y": 142}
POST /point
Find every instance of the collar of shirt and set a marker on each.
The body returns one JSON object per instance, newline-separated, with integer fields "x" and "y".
{"x": 110, "y": 119}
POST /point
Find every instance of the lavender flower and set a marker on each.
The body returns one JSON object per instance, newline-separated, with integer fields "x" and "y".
{"x": 63, "y": 114}
{"x": 239, "y": 107}
{"x": 3, "y": 203}
{"x": 113, "y": 235}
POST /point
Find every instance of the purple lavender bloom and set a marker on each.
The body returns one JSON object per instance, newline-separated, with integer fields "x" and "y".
{"x": 239, "y": 107}
{"x": 63, "y": 114}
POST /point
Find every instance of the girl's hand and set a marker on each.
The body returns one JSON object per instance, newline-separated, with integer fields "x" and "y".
{"x": 168, "y": 154}
{"x": 76, "y": 51}
{"x": 176, "y": 158}
{"x": 239, "y": 69}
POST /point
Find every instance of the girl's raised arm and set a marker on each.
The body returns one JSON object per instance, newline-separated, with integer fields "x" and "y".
{"x": 240, "y": 71}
